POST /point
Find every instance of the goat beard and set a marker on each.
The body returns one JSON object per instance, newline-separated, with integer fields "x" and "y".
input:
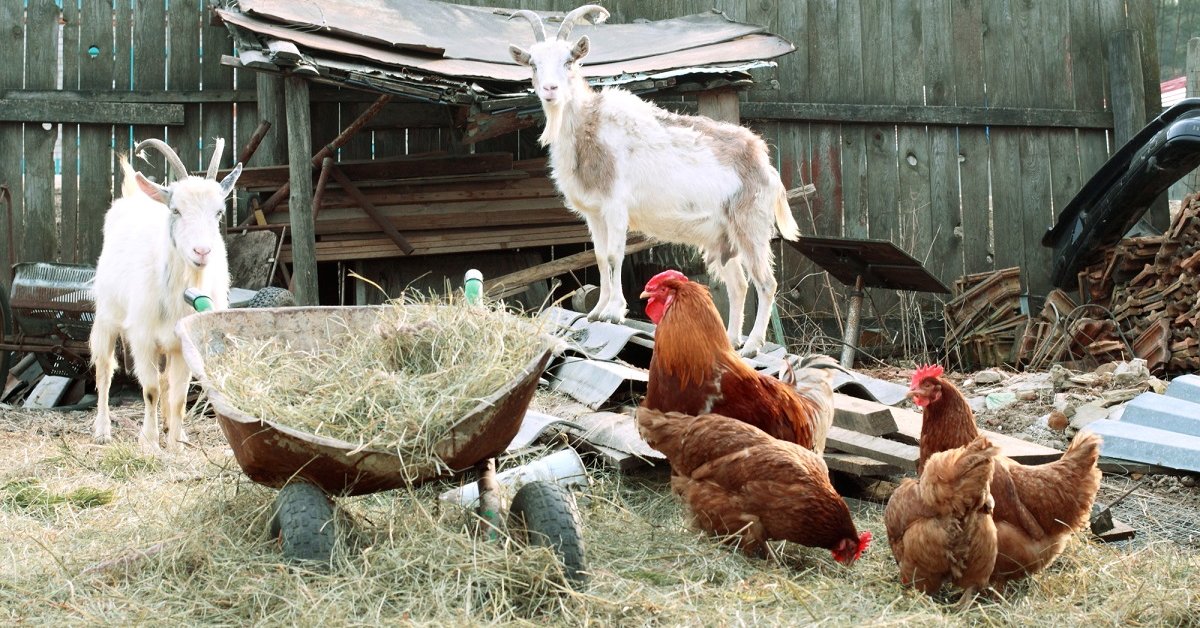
{"x": 555, "y": 114}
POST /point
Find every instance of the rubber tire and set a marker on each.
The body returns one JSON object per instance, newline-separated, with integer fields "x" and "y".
{"x": 272, "y": 297}
{"x": 545, "y": 514}
{"x": 304, "y": 523}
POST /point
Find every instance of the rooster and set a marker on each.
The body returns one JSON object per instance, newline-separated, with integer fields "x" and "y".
{"x": 695, "y": 370}
{"x": 740, "y": 483}
{"x": 940, "y": 526}
{"x": 1037, "y": 507}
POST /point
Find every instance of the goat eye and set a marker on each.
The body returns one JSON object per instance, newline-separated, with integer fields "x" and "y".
{"x": 175, "y": 211}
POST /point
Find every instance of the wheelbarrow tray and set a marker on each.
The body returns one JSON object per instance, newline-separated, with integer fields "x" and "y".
{"x": 273, "y": 454}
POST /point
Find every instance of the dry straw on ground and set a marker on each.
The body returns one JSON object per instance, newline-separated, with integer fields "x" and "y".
{"x": 183, "y": 542}
{"x": 397, "y": 386}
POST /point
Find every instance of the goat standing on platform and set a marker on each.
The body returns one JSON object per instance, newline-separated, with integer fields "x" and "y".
{"x": 159, "y": 240}
{"x": 624, "y": 163}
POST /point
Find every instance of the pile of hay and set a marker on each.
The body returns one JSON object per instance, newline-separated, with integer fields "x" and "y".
{"x": 397, "y": 386}
{"x": 184, "y": 541}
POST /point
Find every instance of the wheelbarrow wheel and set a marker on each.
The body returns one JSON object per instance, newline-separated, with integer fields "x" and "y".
{"x": 545, "y": 514}
{"x": 272, "y": 296}
{"x": 304, "y": 523}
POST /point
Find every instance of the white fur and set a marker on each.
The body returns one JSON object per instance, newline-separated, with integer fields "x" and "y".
{"x": 669, "y": 185}
{"x": 151, "y": 254}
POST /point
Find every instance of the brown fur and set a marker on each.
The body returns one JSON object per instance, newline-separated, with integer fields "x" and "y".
{"x": 594, "y": 164}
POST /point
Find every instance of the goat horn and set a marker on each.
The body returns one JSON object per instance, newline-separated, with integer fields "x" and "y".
{"x": 593, "y": 13}
{"x": 535, "y": 20}
{"x": 215, "y": 162}
{"x": 181, "y": 171}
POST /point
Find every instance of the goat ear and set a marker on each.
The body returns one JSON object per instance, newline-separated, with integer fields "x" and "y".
{"x": 519, "y": 55}
{"x": 580, "y": 49}
{"x": 151, "y": 189}
{"x": 230, "y": 179}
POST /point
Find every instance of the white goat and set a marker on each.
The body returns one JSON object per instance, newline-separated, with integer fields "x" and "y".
{"x": 623, "y": 163}
{"x": 159, "y": 240}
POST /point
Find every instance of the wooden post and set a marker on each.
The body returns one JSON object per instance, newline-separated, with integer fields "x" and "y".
{"x": 273, "y": 149}
{"x": 299, "y": 141}
{"x": 1129, "y": 103}
{"x": 720, "y": 104}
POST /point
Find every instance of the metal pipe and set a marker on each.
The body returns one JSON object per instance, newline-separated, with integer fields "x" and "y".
{"x": 850, "y": 337}
{"x": 254, "y": 141}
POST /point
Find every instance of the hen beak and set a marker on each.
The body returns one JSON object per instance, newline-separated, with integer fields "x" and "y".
{"x": 645, "y": 295}
{"x": 912, "y": 394}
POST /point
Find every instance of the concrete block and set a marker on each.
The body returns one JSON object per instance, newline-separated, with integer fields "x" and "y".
{"x": 1164, "y": 413}
{"x": 1185, "y": 387}
{"x": 1139, "y": 443}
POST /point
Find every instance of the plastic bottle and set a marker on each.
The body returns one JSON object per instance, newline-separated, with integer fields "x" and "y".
{"x": 473, "y": 287}
{"x": 198, "y": 301}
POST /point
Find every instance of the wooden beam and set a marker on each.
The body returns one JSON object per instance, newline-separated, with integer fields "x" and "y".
{"x": 873, "y": 447}
{"x": 720, "y": 104}
{"x": 299, "y": 136}
{"x": 859, "y": 465}
{"x": 863, "y": 416}
{"x": 273, "y": 148}
{"x": 384, "y": 224}
{"x": 180, "y": 96}
{"x": 513, "y": 283}
{"x": 920, "y": 114}
{"x": 77, "y": 111}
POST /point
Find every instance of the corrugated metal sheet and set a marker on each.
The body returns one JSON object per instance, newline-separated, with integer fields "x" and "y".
{"x": 443, "y": 52}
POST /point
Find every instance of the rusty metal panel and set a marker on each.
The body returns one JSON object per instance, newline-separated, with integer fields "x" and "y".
{"x": 484, "y": 33}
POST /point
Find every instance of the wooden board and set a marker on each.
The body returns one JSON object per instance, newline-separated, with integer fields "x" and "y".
{"x": 859, "y": 465}
{"x": 909, "y": 425}
{"x": 881, "y": 449}
{"x": 860, "y": 415}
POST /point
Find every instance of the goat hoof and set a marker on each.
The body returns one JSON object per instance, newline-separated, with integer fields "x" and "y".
{"x": 608, "y": 315}
{"x": 101, "y": 439}
{"x": 750, "y": 349}
{"x": 149, "y": 447}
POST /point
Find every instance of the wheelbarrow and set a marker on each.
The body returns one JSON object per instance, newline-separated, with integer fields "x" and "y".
{"x": 309, "y": 469}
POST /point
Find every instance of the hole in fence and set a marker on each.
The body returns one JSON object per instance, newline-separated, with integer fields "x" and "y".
{"x": 94, "y": 51}
{"x": 47, "y": 126}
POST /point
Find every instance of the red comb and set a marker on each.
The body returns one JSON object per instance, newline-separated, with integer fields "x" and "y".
{"x": 925, "y": 372}
{"x": 864, "y": 541}
{"x": 664, "y": 276}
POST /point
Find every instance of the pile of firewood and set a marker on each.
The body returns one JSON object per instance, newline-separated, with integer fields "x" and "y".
{"x": 1142, "y": 299}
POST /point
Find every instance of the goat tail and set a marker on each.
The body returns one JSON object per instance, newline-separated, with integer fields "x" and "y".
{"x": 129, "y": 185}
{"x": 788, "y": 228}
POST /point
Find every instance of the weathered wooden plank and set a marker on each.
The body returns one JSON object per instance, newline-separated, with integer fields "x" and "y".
{"x": 859, "y": 465}
{"x": 873, "y": 447}
{"x": 879, "y": 88}
{"x": 68, "y": 237}
{"x": 972, "y": 154}
{"x": 999, "y": 76}
{"x": 273, "y": 149}
{"x": 40, "y": 236}
{"x": 946, "y": 115}
{"x": 122, "y": 78}
{"x": 855, "y": 215}
{"x": 1033, "y": 145}
{"x": 95, "y": 155}
{"x": 71, "y": 111}
{"x": 1059, "y": 91}
{"x": 217, "y": 116}
{"x": 183, "y": 72}
{"x": 162, "y": 97}
{"x": 439, "y": 242}
{"x": 299, "y": 138}
{"x": 1025, "y": 452}
{"x": 149, "y": 73}
{"x": 914, "y": 229}
{"x": 12, "y": 15}
{"x": 863, "y": 416}
{"x": 947, "y": 261}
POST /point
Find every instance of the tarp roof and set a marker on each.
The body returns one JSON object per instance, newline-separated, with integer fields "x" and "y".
{"x": 460, "y": 53}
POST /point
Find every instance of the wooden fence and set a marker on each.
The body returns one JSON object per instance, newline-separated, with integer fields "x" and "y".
{"x": 955, "y": 128}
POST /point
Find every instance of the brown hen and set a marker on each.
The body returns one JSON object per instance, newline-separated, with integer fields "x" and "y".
{"x": 695, "y": 370}
{"x": 940, "y": 526}
{"x": 738, "y": 482}
{"x": 1037, "y": 506}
